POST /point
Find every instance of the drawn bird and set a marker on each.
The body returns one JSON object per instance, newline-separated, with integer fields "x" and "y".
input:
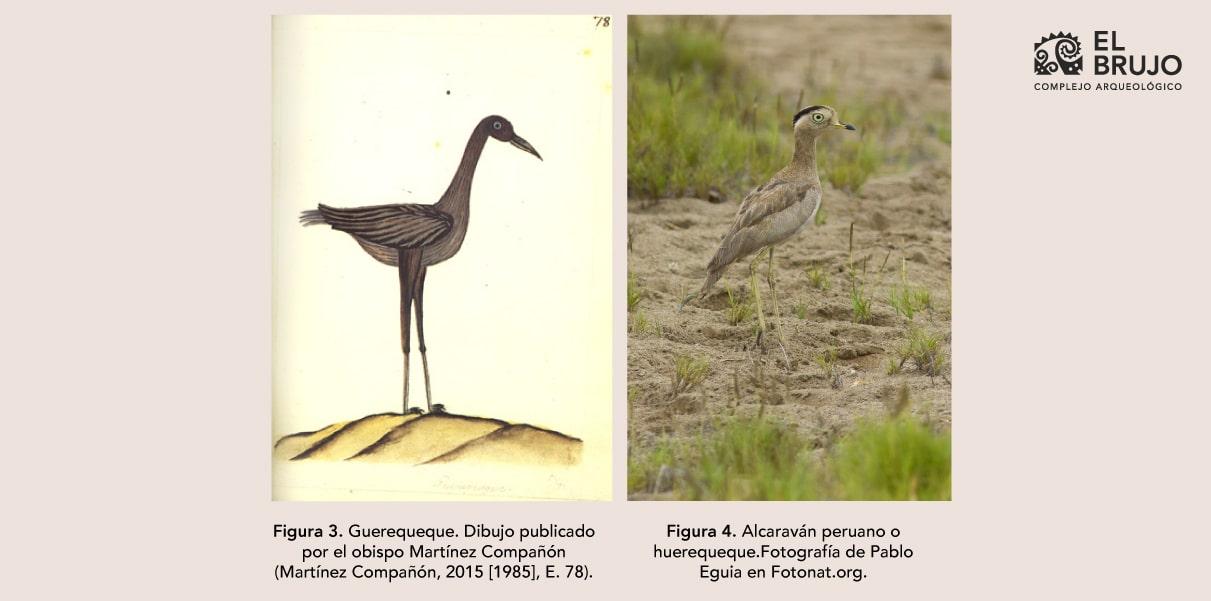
{"x": 413, "y": 237}
{"x": 779, "y": 208}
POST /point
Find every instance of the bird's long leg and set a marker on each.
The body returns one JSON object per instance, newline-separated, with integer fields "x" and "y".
{"x": 769, "y": 269}
{"x": 409, "y": 264}
{"x": 769, "y": 278}
{"x": 752, "y": 281}
{"x": 420, "y": 336}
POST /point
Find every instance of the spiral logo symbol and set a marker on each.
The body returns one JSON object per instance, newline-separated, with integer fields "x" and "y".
{"x": 1058, "y": 52}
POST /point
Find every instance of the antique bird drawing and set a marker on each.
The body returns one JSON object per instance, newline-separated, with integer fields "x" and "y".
{"x": 776, "y": 210}
{"x": 413, "y": 237}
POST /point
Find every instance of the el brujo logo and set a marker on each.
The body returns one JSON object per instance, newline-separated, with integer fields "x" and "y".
{"x": 1058, "y": 52}
{"x": 1115, "y": 67}
{"x": 1062, "y": 53}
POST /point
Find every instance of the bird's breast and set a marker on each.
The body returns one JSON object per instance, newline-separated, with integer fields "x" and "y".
{"x": 811, "y": 203}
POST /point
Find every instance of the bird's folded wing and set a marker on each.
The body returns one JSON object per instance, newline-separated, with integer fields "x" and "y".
{"x": 768, "y": 199}
{"x": 400, "y": 226}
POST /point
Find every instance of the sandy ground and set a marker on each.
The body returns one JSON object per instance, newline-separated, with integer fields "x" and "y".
{"x": 430, "y": 439}
{"x": 901, "y": 217}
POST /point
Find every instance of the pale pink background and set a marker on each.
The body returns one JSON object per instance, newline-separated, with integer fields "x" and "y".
{"x": 136, "y": 323}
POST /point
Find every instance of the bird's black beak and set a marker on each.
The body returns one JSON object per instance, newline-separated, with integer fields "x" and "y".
{"x": 521, "y": 143}
{"x": 848, "y": 126}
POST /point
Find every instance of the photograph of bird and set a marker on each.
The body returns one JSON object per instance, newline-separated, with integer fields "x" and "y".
{"x": 413, "y": 237}
{"x": 779, "y": 208}
{"x": 728, "y": 344}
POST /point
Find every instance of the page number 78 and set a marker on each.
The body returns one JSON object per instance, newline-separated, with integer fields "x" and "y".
{"x": 602, "y": 21}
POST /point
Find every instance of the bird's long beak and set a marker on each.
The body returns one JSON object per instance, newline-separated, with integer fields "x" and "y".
{"x": 848, "y": 126}
{"x": 521, "y": 143}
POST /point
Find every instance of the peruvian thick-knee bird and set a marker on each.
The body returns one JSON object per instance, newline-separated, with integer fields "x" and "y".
{"x": 779, "y": 208}
{"x": 413, "y": 237}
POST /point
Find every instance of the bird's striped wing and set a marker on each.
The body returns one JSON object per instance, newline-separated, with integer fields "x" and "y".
{"x": 398, "y": 226}
{"x": 762, "y": 204}
{"x": 769, "y": 198}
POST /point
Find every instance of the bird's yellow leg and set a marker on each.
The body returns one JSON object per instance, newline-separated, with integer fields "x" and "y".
{"x": 752, "y": 277}
{"x": 769, "y": 278}
{"x": 769, "y": 268}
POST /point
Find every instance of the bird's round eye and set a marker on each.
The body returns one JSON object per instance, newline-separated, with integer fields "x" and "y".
{"x": 817, "y": 117}
{"x": 496, "y": 125}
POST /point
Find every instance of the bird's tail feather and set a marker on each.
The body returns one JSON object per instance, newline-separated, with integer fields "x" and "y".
{"x": 312, "y": 217}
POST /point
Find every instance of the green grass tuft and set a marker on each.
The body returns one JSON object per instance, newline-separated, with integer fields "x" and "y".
{"x": 860, "y": 303}
{"x": 738, "y": 310}
{"x": 944, "y": 133}
{"x": 925, "y": 350}
{"x": 695, "y": 118}
{"x": 762, "y": 459}
{"x": 859, "y": 300}
{"x": 800, "y": 310}
{"x": 850, "y": 164}
{"x": 939, "y": 126}
{"x": 827, "y": 360}
{"x": 640, "y": 324}
{"x": 688, "y": 373}
{"x": 818, "y": 278}
{"x": 892, "y": 367}
{"x": 643, "y": 469}
{"x": 896, "y": 459}
{"x": 908, "y": 300}
{"x": 753, "y": 459}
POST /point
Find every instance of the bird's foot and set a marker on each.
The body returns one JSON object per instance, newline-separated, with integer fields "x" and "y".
{"x": 437, "y": 408}
{"x": 414, "y": 411}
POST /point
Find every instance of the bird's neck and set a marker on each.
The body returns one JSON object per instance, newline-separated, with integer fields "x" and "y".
{"x": 457, "y": 195}
{"x": 804, "y": 160}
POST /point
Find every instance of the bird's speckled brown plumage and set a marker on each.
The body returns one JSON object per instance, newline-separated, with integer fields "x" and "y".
{"x": 777, "y": 209}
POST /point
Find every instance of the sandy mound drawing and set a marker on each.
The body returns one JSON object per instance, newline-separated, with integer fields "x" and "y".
{"x": 431, "y": 439}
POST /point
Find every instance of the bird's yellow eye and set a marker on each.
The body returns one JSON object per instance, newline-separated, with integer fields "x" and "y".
{"x": 817, "y": 117}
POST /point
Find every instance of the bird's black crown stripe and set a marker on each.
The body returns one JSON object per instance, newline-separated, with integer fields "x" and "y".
{"x": 805, "y": 111}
